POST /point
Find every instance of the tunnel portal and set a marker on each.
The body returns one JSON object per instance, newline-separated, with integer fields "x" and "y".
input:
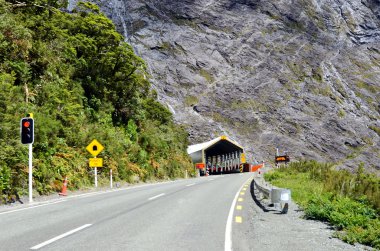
{"x": 220, "y": 155}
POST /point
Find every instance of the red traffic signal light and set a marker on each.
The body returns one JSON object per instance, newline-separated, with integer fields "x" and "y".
{"x": 27, "y": 131}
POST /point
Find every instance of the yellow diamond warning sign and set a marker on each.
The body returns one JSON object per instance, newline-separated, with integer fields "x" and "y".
{"x": 94, "y": 148}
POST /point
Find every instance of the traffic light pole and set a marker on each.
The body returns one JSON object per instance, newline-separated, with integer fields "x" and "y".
{"x": 30, "y": 173}
{"x": 27, "y": 138}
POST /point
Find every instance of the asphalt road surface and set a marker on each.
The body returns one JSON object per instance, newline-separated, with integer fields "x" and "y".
{"x": 193, "y": 214}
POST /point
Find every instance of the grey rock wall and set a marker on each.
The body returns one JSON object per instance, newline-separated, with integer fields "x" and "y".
{"x": 301, "y": 75}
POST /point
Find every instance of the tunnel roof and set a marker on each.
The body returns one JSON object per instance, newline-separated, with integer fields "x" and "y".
{"x": 219, "y": 145}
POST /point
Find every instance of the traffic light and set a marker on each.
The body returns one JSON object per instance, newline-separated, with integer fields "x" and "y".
{"x": 27, "y": 131}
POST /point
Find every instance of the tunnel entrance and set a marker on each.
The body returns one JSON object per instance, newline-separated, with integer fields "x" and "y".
{"x": 218, "y": 156}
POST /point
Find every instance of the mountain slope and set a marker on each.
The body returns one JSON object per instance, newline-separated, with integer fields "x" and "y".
{"x": 302, "y": 75}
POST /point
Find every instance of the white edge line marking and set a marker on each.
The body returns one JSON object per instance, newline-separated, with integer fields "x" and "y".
{"x": 157, "y": 196}
{"x": 189, "y": 185}
{"x": 228, "y": 234}
{"x": 26, "y": 208}
{"x": 85, "y": 195}
{"x": 90, "y": 194}
{"x": 59, "y": 237}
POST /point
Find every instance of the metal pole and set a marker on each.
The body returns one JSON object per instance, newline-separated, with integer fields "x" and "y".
{"x": 96, "y": 177}
{"x": 111, "y": 178}
{"x": 30, "y": 173}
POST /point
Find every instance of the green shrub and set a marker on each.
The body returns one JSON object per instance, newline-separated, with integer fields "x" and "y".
{"x": 81, "y": 81}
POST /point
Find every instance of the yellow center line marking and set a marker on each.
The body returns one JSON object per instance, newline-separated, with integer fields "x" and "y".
{"x": 239, "y": 207}
{"x": 238, "y": 219}
{"x": 242, "y": 193}
{"x": 244, "y": 189}
{"x": 240, "y": 199}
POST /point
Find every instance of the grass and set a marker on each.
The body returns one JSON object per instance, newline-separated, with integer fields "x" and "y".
{"x": 301, "y": 187}
{"x": 348, "y": 201}
{"x": 191, "y": 100}
{"x": 375, "y": 129}
{"x": 341, "y": 113}
{"x": 206, "y": 75}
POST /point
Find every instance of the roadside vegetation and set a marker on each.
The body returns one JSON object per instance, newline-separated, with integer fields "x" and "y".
{"x": 81, "y": 81}
{"x": 350, "y": 202}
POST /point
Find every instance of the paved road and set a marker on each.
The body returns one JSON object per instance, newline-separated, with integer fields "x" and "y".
{"x": 181, "y": 215}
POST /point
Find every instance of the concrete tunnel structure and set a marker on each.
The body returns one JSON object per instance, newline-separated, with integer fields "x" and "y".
{"x": 220, "y": 155}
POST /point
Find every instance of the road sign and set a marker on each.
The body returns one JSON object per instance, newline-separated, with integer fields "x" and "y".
{"x": 242, "y": 158}
{"x": 94, "y": 148}
{"x": 280, "y": 159}
{"x": 200, "y": 165}
{"x": 95, "y": 162}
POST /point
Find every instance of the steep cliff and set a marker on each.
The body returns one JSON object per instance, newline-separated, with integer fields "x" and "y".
{"x": 301, "y": 75}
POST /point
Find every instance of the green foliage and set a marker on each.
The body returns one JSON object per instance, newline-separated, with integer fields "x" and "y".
{"x": 359, "y": 222}
{"x": 350, "y": 202}
{"x": 191, "y": 100}
{"x": 5, "y": 181}
{"x": 341, "y": 113}
{"x": 206, "y": 75}
{"x": 375, "y": 129}
{"x": 81, "y": 81}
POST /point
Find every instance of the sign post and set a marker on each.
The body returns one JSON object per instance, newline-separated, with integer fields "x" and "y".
{"x": 96, "y": 176}
{"x": 95, "y": 148}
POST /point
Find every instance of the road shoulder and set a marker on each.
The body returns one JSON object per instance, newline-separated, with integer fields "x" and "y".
{"x": 265, "y": 228}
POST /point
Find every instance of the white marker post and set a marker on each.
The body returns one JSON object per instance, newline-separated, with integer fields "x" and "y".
{"x": 111, "y": 178}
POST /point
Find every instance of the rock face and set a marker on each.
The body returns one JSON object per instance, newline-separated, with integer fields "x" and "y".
{"x": 301, "y": 75}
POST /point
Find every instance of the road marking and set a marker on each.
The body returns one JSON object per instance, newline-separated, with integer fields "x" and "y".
{"x": 60, "y": 237}
{"x": 240, "y": 199}
{"x": 86, "y": 195}
{"x": 239, "y": 207}
{"x": 228, "y": 233}
{"x": 189, "y": 185}
{"x": 242, "y": 193}
{"x": 238, "y": 219}
{"x": 244, "y": 189}
{"x": 157, "y": 196}
{"x": 211, "y": 179}
{"x": 26, "y": 208}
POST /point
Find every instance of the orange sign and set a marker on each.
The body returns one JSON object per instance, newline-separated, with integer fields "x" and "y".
{"x": 200, "y": 165}
{"x": 284, "y": 158}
